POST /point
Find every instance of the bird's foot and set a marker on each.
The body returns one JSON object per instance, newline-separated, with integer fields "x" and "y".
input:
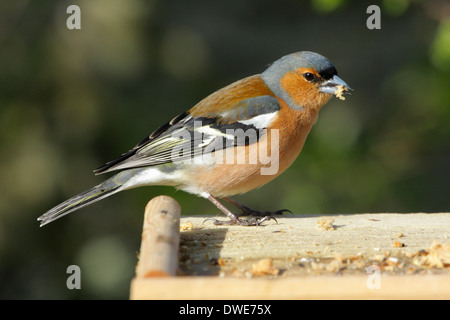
{"x": 235, "y": 221}
{"x": 246, "y": 211}
{"x": 255, "y": 213}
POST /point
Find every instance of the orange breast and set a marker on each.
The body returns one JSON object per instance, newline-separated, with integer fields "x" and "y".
{"x": 228, "y": 179}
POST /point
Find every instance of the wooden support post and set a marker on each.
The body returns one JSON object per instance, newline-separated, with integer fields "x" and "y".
{"x": 160, "y": 240}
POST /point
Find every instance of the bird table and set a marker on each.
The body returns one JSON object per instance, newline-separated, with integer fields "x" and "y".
{"x": 336, "y": 256}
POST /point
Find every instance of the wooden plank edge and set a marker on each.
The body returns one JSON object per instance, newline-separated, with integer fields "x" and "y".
{"x": 296, "y": 288}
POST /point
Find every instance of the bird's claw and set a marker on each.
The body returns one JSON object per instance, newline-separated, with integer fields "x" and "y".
{"x": 241, "y": 222}
{"x": 255, "y": 213}
{"x": 281, "y": 211}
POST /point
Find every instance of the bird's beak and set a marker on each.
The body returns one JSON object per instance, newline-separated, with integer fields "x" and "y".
{"x": 335, "y": 86}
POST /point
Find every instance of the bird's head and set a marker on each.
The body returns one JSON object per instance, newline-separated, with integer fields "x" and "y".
{"x": 304, "y": 80}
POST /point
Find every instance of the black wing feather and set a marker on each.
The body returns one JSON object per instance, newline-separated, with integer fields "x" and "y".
{"x": 144, "y": 142}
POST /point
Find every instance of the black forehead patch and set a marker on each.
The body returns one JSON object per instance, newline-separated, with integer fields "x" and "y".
{"x": 328, "y": 73}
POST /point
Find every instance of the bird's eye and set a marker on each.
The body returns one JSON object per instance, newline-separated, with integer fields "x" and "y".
{"x": 309, "y": 76}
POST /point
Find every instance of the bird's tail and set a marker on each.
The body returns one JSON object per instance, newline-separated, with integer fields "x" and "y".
{"x": 103, "y": 190}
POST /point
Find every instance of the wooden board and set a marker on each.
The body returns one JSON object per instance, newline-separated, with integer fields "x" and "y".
{"x": 354, "y": 256}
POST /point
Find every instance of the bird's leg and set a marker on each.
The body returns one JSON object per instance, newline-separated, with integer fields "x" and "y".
{"x": 246, "y": 211}
{"x": 234, "y": 220}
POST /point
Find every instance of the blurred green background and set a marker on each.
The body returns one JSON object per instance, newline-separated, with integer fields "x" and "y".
{"x": 71, "y": 100}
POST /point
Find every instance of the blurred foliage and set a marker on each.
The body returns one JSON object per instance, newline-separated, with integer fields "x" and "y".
{"x": 324, "y": 6}
{"x": 395, "y": 7}
{"x": 70, "y": 100}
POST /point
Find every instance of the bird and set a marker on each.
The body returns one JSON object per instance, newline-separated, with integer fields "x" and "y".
{"x": 235, "y": 140}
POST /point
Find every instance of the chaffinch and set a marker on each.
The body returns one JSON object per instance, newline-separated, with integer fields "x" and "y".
{"x": 236, "y": 139}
